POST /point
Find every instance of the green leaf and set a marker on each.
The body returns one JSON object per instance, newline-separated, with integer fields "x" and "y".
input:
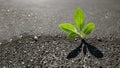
{"x": 89, "y": 28}
{"x": 67, "y": 27}
{"x": 72, "y": 35}
{"x": 79, "y": 18}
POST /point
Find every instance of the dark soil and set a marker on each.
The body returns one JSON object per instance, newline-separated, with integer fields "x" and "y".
{"x": 52, "y": 52}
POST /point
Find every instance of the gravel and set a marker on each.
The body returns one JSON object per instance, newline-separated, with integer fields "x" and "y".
{"x": 31, "y": 51}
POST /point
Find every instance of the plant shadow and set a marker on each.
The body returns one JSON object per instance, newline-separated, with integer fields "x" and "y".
{"x": 75, "y": 52}
{"x": 92, "y": 49}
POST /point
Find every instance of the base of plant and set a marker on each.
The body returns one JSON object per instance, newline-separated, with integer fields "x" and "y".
{"x": 85, "y": 48}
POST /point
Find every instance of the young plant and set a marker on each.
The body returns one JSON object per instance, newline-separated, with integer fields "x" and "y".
{"x": 79, "y": 30}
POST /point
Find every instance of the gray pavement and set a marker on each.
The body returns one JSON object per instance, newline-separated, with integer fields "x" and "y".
{"x": 44, "y": 16}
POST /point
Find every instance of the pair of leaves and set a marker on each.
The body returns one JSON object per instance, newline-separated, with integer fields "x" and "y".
{"x": 79, "y": 20}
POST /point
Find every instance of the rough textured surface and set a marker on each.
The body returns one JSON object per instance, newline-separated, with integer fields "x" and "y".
{"x": 44, "y": 16}
{"x": 51, "y": 51}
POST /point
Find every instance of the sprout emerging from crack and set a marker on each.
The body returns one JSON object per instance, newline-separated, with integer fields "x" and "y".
{"x": 79, "y": 30}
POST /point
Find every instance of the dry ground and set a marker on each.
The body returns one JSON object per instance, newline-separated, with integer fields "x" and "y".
{"x": 52, "y": 52}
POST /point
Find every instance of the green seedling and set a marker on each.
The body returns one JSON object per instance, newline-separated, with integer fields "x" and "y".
{"x": 79, "y": 30}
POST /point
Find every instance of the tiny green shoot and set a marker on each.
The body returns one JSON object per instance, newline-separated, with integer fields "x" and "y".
{"x": 79, "y": 29}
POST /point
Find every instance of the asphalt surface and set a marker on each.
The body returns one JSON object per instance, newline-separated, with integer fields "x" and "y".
{"x": 32, "y": 37}
{"x": 44, "y": 16}
{"x": 59, "y": 52}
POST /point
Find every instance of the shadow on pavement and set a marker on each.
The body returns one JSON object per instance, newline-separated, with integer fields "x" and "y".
{"x": 87, "y": 47}
{"x": 75, "y": 52}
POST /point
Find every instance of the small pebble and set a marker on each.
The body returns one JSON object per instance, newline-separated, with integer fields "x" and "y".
{"x": 63, "y": 50}
{"x": 72, "y": 61}
{"x": 76, "y": 39}
{"x": 10, "y": 61}
{"x": 0, "y": 43}
{"x": 23, "y": 62}
{"x": 44, "y": 61}
{"x": 84, "y": 66}
{"x": 4, "y": 67}
{"x": 46, "y": 51}
{"x": 20, "y": 36}
{"x": 31, "y": 60}
{"x": 39, "y": 50}
{"x": 10, "y": 40}
{"x": 29, "y": 15}
{"x": 8, "y": 10}
{"x": 100, "y": 40}
{"x": 35, "y": 37}
{"x": 25, "y": 51}
{"x": 57, "y": 48}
